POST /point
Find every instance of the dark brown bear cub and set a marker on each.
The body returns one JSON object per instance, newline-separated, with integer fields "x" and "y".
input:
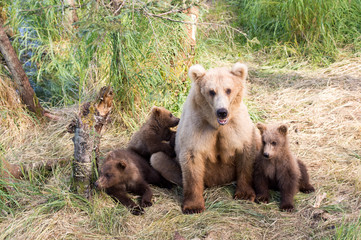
{"x": 276, "y": 168}
{"x": 151, "y": 136}
{"x": 125, "y": 171}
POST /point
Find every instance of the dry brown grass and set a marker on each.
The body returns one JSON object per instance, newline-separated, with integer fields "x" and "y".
{"x": 323, "y": 110}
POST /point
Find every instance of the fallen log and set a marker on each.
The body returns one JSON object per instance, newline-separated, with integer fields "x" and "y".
{"x": 87, "y": 129}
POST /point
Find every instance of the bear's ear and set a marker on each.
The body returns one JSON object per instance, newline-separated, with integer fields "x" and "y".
{"x": 155, "y": 110}
{"x": 121, "y": 165}
{"x": 261, "y": 127}
{"x": 283, "y": 129}
{"x": 196, "y": 72}
{"x": 240, "y": 70}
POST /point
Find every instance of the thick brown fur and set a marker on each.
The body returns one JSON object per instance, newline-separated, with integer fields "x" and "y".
{"x": 155, "y": 134}
{"x": 216, "y": 141}
{"x": 276, "y": 168}
{"x": 125, "y": 171}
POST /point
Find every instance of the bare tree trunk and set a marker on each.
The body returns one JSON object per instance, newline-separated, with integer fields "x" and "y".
{"x": 87, "y": 129}
{"x": 23, "y": 85}
{"x": 71, "y": 15}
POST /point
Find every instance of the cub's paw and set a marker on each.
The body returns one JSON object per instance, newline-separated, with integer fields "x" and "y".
{"x": 287, "y": 207}
{"x": 307, "y": 189}
{"x": 247, "y": 194}
{"x": 137, "y": 210}
{"x": 146, "y": 203}
{"x": 262, "y": 198}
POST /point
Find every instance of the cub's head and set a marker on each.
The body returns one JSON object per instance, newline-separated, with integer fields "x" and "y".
{"x": 274, "y": 139}
{"x": 164, "y": 117}
{"x": 221, "y": 88}
{"x": 113, "y": 172}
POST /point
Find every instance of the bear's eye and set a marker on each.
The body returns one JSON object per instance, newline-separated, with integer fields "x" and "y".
{"x": 212, "y": 93}
{"x": 170, "y": 115}
{"x": 228, "y": 91}
{"x": 274, "y": 143}
{"x": 107, "y": 175}
{"x": 263, "y": 142}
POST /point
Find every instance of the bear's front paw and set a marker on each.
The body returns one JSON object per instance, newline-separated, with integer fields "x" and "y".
{"x": 247, "y": 194}
{"x": 287, "y": 207}
{"x": 146, "y": 203}
{"x": 137, "y": 210}
{"x": 193, "y": 207}
{"x": 192, "y": 210}
{"x": 307, "y": 189}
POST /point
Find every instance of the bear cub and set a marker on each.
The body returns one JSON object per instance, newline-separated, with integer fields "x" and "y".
{"x": 276, "y": 168}
{"x": 155, "y": 131}
{"x": 125, "y": 171}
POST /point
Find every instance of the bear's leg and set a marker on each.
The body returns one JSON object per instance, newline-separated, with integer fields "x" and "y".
{"x": 155, "y": 178}
{"x": 167, "y": 167}
{"x": 193, "y": 182}
{"x": 288, "y": 186}
{"x": 126, "y": 201}
{"x": 304, "y": 183}
{"x": 142, "y": 189}
{"x": 260, "y": 183}
{"x": 244, "y": 167}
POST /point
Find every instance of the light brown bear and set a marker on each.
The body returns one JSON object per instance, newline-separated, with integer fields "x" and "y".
{"x": 216, "y": 141}
{"x": 276, "y": 168}
{"x": 125, "y": 171}
{"x": 150, "y": 137}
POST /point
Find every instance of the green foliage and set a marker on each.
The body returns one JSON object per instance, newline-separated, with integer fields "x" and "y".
{"x": 139, "y": 55}
{"x": 314, "y": 30}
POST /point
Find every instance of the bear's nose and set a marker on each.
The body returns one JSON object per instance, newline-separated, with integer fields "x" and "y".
{"x": 266, "y": 155}
{"x": 222, "y": 113}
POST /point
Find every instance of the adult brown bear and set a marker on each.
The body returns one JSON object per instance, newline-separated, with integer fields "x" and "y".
{"x": 216, "y": 141}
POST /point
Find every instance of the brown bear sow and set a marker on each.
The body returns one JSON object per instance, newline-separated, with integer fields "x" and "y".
{"x": 216, "y": 141}
{"x": 151, "y": 136}
{"x": 125, "y": 171}
{"x": 276, "y": 168}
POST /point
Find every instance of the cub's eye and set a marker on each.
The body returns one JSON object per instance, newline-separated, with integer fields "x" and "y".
{"x": 228, "y": 91}
{"x": 263, "y": 142}
{"x": 107, "y": 175}
{"x": 274, "y": 143}
{"x": 212, "y": 93}
{"x": 170, "y": 115}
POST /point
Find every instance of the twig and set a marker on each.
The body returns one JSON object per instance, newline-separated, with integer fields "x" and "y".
{"x": 53, "y": 6}
{"x": 195, "y": 23}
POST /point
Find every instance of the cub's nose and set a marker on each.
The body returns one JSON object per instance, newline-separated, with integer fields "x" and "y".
{"x": 266, "y": 155}
{"x": 222, "y": 113}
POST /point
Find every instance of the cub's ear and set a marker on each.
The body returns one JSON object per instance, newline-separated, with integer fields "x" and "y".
{"x": 155, "y": 110}
{"x": 283, "y": 129}
{"x": 261, "y": 127}
{"x": 196, "y": 72}
{"x": 121, "y": 165}
{"x": 240, "y": 70}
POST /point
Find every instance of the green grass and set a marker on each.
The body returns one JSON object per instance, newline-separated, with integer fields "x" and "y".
{"x": 316, "y": 31}
{"x": 349, "y": 230}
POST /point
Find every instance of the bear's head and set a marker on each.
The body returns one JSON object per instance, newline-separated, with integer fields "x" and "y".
{"x": 221, "y": 88}
{"x": 274, "y": 139}
{"x": 164, "y": 117}
{"x": 113, "y": 172}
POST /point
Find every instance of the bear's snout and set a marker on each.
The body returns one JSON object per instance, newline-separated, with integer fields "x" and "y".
{"x": 222, "y": 113}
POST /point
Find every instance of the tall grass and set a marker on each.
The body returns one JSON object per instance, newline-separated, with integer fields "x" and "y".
{"x": 318, "y": 31}
{"x": 140, "y": 56}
